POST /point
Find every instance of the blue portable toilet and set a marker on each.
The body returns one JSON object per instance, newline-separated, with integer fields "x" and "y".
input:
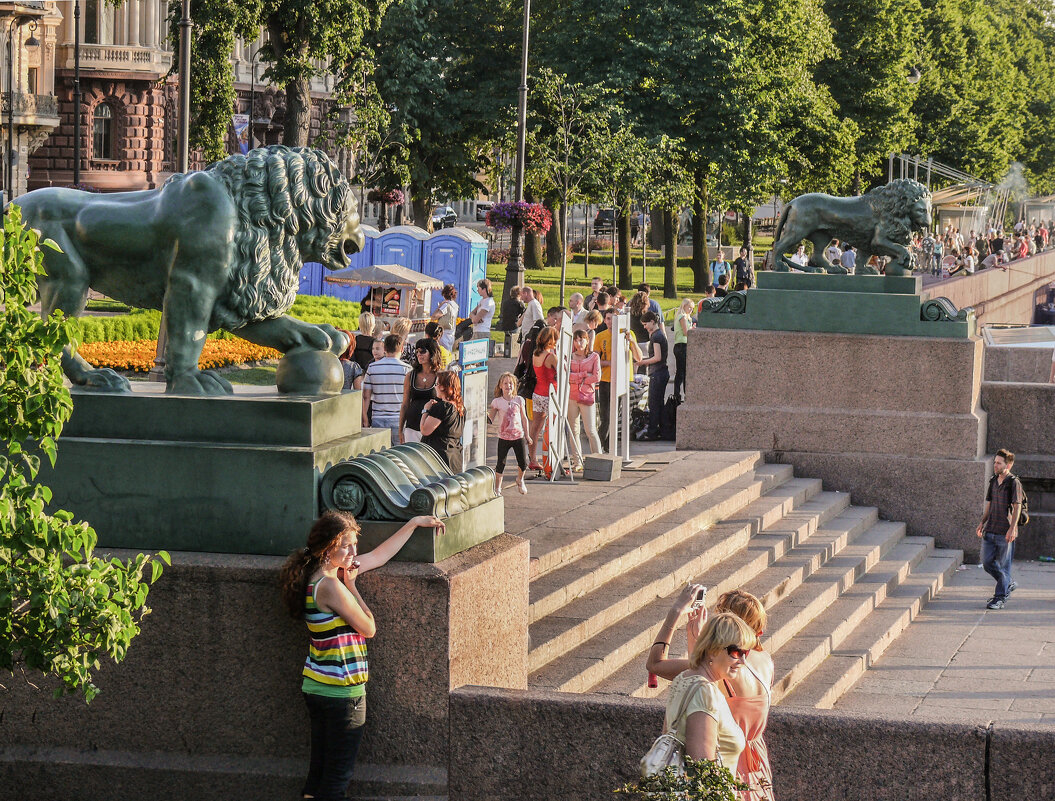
{"x": 310, "y": 278}
{"x": 364, "y": 258}
{"x": 400, "y": 245}
{"x": 457, "y": 256}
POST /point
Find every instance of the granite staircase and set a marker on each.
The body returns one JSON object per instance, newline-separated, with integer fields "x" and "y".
{"x": 839, "y": 583}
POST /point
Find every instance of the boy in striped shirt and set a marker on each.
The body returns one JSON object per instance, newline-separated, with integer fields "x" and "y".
{"x": 383, "y": 389}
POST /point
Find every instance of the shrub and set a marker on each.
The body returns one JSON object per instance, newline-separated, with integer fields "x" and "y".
{"x": 64, "y": 608}
{"x": 596, "y": 243}
{"x": 143, "y": 324}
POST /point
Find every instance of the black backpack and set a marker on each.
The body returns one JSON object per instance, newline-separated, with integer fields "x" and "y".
{"x": 668, "y": 419}
{"x": 1023, "y": 513}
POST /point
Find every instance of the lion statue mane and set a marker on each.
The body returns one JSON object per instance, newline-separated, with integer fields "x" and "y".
{"x": 219, "y": 248}
{"x": 878, "y": 223}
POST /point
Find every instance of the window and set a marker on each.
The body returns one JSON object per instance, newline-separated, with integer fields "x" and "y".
{"x": 103, "y": 132}
{"x": 91, "y": 22}
{"x": 31, "y": 81}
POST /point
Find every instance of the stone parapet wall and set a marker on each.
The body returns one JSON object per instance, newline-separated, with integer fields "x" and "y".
{"x": 1031, "y": 365}
{"x": 1000, "y": 296}
{"x": 208, "y": 705}
{"x": 540, "y": 745}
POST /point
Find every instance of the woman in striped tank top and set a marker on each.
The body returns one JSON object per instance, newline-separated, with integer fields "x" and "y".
{"x": 318, "y": 584}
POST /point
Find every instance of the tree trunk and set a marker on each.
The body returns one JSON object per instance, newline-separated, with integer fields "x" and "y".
{"x": 657, "y": 232}
{"x": 532, "y": 251}
{"x": 622, "y": 221}
{"x": 701, "y": 270}
{"x": 855, "y": 187}
{"x": 554, "y": 240}
{"x": 421, "y": 207}
{"x": 670, "y": 251}
{"x": 296, "y": 128}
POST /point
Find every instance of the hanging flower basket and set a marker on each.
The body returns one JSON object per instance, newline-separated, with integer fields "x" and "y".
{"x": 534, "y": 217}
{"x": 389, "y": 197}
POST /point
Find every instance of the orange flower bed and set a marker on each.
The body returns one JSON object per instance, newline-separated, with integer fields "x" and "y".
{"x": 139, "y": 356}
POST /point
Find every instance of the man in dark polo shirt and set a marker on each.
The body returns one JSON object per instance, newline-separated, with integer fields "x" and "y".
{"x": 999, "y": 526}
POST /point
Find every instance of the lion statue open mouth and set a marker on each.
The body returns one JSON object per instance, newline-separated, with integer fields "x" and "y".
{"x": 879, "y": 223}
{"x": 220, "y": 248}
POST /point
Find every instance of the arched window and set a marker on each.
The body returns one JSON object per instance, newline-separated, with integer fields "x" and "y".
{"x": 103, "y": 132}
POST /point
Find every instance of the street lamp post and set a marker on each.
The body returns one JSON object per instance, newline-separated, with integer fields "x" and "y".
{"x": 515, "y": 267}
{"x": 77, "y": 92}
{"x": 252, "y": 97}
{"x": 157, "y": 372}
{"x": 185, "y": 27}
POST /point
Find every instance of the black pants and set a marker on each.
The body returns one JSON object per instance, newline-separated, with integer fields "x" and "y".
{"x": 336, "y": 730}
{"x": 679, "y": 368}
{"x": 657, "y": 393}
{"x": 604, "y": 401}
{"x": 519, "y": 447}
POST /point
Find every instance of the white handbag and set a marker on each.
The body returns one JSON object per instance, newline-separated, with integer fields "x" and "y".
{"x": 668, "y": 751}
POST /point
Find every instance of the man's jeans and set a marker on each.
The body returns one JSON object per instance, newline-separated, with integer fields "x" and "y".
{"x": 336, "y": 730}
{"x": 997, "y": 554}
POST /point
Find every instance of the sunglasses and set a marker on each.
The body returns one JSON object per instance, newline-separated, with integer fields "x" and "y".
{"x": 736, "y": 652}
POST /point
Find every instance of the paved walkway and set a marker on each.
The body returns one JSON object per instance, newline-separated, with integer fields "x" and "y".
{"x": 960, "y": 661}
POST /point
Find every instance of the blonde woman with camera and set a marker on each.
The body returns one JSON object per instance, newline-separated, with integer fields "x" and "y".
{"x": 747, "y": 693}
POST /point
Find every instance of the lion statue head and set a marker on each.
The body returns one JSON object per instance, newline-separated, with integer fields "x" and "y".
{"x": 293, "y": 205}
{"x": 900, "y": 207}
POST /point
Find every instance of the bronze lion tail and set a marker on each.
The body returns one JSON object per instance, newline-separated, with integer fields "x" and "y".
{"x": 783, "y": 219}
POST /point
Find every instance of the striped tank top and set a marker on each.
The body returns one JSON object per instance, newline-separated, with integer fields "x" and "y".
{"x": 336, "y": 665}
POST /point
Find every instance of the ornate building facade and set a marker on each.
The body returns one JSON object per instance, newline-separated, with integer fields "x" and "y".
{"x": 128, "y": 104}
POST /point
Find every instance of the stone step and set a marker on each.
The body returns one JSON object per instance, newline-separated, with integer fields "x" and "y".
{"x": 773, "y": 566}
{"x": 571, "y": 580}
{"x": 847, "y": 662}
{"x": 594, "y": 636}
{"x": 849, "y": 556}
{"x": 801, "y": 654}
{"x": 395, "y": 782}
{"x": 584, "y": 528}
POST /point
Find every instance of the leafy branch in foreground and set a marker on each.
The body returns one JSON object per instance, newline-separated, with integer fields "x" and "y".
{"x": 62, "y": 609}
{"x": 702, "y": 780}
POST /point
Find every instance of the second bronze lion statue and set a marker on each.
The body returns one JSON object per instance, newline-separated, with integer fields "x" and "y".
{"x": 220, "y": 248}
{"x": 879, "y": 223}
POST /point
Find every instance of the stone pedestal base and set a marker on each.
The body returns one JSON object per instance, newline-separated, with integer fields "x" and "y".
{"x": 208, "y": 702}
{"x": 235, "y": 474}
{"x": 894, "y": 420}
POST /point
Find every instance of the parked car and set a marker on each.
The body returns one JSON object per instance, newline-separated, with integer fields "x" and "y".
{"x": 604, "y": 221}
{"x": 444, "y": 217}
{"x": 482, "y": 207}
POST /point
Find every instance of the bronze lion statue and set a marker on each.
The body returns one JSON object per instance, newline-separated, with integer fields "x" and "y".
{"x": 878, "y": 223}
{"x": 220, "y": 248}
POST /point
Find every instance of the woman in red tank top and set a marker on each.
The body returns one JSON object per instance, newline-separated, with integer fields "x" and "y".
{"x": 544, "y": 361}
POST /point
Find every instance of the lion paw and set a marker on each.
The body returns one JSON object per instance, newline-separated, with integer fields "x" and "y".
{"x": 106, "y": 380}
{"x": 203, "y": 382}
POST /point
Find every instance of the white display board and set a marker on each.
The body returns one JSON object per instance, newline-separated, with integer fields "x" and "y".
{"x": 472, "y": 356}
{"x": 622, "y": 373}
{"x": 557, "y": 416}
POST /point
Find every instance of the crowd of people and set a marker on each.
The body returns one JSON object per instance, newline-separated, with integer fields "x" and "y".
{"x": 950, "y": 252}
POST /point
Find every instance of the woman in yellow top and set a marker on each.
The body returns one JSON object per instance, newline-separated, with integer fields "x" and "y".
{"x": 707, "y": 726}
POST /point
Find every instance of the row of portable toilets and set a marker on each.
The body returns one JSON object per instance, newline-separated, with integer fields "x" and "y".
{"x": 455, "y": 256}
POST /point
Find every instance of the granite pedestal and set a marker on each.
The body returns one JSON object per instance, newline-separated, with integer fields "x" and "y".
{"x": 895, "y": 420}
{"x": 235, "y": 474}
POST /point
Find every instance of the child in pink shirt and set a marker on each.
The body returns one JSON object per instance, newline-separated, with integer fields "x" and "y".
{"x": 508, "y": 413}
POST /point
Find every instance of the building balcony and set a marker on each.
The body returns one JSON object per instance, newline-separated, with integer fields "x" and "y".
{"x": 40, "y": 110}
{"x": 117, "y": 58}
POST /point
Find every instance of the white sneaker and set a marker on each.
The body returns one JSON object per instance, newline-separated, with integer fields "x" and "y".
{"x": 522, "y": 487}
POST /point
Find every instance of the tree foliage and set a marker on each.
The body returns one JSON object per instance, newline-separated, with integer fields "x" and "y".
{"x": 63, "y": 609}
{"x": 305, "y": 39}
